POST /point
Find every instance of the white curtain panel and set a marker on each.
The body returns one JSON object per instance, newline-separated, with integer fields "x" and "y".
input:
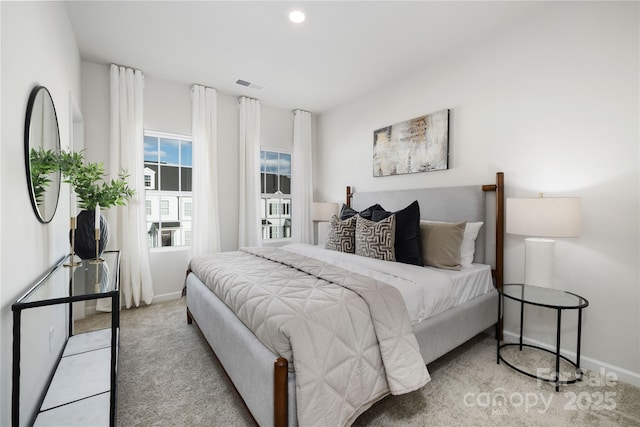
{"x": 302, "y": 178}
{"x": 250, "y": 226}
{"x": 205, "y": 237}
{"x": 128, "y": 224}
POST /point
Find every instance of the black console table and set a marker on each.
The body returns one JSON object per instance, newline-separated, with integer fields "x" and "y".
{"x": 550, "y": 298}
{"x": 82, "y": 387}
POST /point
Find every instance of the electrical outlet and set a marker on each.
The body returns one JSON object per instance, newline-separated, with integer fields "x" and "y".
{"x": 51, "y": 335}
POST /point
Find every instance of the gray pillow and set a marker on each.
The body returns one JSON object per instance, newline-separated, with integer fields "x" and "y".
{"x": 441, "y": 244}
{"x": 341, "y": 236}
{"x": 376, "y": 239}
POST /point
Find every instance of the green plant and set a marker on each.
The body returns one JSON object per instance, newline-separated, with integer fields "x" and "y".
{"x": 42, "y": 163}
{"x": 87, "y": 179}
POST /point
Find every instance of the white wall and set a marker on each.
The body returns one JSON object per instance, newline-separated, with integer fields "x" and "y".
{"x": 553, "y": 101}
{"x": 167, "y": 108}
{"x": 276, "y": 128}
{"x": 38, "y": 48}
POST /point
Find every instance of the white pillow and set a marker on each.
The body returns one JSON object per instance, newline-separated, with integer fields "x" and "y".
{"x": 468, "y": 245}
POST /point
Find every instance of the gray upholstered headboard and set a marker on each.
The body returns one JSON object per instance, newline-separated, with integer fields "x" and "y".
{"x": 452, "y": 204}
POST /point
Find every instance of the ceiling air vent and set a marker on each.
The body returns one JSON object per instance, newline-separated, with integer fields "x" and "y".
{"x": 249, "y": 84}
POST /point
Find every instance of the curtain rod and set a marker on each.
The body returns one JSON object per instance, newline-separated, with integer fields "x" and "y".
{"x": 198, "y": 84}
{"x": 248, "y": 97}
{"x": 204, "y": 86}
{"x": 126, "y": 66}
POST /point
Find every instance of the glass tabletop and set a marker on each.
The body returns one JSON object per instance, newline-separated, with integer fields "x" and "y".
{"x": 546, "y": 297}
{"x": 91, "y": 278}
{"x": 86, "y": 279}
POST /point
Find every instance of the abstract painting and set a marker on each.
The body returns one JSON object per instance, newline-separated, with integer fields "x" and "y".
{"x": 416, "y": 145}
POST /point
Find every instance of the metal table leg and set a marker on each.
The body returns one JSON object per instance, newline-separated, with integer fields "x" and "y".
{"x": 558, "y": 350}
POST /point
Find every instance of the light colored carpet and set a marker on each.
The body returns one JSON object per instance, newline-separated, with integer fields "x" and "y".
{"x": 167, "y": 376}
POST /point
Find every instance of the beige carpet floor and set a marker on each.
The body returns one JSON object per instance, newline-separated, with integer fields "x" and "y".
{"x": 168, "y": 376}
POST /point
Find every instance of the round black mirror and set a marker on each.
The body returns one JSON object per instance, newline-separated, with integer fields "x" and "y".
{"x": 42, "y": 147}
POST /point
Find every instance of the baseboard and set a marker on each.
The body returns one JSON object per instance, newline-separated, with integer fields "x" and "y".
{"x": 595, "y": 365}
{"x": 167, "y": 297}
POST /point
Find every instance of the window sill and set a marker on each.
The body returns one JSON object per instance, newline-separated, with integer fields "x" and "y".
{"x": 276, "y": 242}
{"x": 169, "y": 249}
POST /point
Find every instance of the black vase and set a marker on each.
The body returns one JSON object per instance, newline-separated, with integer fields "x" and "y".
{"x": 91, "y": 277}
{"x": 85, "y": 242}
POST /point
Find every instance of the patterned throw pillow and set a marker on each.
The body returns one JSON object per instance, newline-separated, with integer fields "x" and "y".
{"x": 376, "y": 239}
{"x": 407, "y": 246}
{"x": 341, "y": 236}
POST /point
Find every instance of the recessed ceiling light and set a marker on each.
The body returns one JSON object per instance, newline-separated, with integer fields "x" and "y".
{"x": 297, "y": 17}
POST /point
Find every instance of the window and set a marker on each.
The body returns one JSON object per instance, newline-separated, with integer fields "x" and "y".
{"x": 149, "y": 179}
{"x": 167, "y": 179}
{"x": 275, "y": 182}
{"x": 164, "y": 207}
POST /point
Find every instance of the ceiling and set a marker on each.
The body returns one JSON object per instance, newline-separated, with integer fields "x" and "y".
{"x": 343, "y": 49}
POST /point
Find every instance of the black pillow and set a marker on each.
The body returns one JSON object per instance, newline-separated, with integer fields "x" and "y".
{"x": 347, "y": 212}
{"x": 408, "y": 247}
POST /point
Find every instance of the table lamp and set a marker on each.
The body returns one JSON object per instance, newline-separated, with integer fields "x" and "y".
{"x": 542, "y": 217}
{"x": 322, "y": 213}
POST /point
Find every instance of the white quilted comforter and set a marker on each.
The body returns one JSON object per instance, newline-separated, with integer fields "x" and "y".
{"x": 347, "y": 336}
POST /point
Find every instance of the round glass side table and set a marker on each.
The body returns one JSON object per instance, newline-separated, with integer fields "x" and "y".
{"x": 550, "y": 298}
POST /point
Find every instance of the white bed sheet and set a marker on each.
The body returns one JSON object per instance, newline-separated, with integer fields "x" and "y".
{"x": 426, "y": 291}
{"x": 469, "y": 282}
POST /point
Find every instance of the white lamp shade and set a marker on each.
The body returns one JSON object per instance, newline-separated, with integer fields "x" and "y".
{"x": 323, "y": 211}
{"x": 544, "y": 216}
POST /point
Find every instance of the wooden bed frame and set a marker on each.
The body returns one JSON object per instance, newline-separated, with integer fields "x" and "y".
{"x": 282, "y": 378}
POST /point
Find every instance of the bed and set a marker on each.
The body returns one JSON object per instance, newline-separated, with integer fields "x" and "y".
{"x": 262, "y": 369}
